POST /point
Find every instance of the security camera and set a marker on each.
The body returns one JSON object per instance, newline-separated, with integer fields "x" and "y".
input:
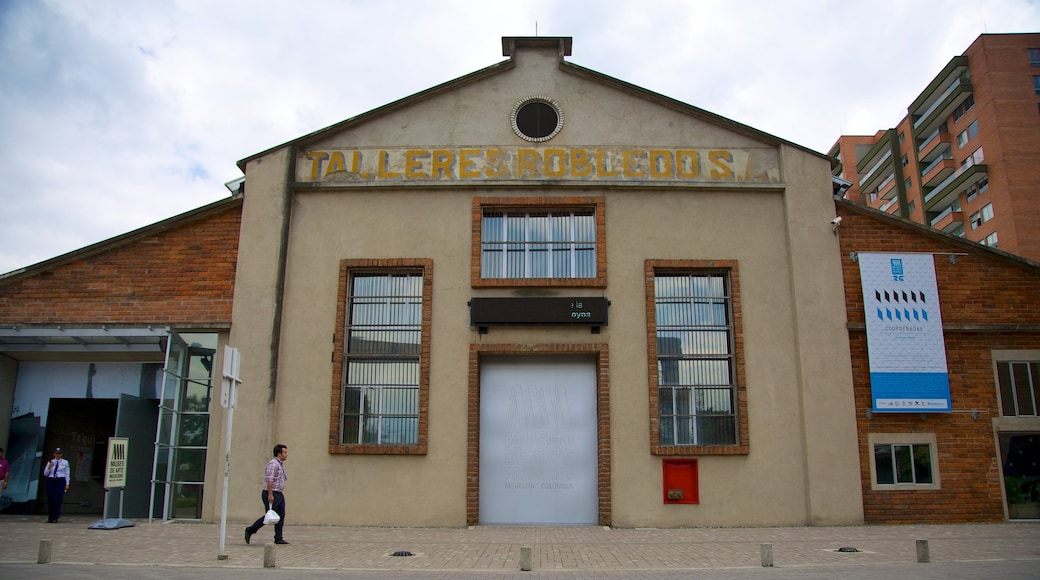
{"x": 836, "y": 221}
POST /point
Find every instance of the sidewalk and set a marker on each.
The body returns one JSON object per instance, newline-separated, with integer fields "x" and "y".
{"x": 497, "y": 548}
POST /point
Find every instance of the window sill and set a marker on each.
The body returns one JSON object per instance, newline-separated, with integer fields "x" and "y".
{"x": 600, "y": 282}
{"x": 700, "y": 450}
{"x": 339, "y": 449}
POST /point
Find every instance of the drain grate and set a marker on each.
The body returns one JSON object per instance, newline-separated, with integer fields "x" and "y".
{"x": 848, "y": 549}
{"x": 401, "y": 553}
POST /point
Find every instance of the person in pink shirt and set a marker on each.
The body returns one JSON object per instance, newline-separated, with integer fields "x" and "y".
{"x": 5, "y": 469}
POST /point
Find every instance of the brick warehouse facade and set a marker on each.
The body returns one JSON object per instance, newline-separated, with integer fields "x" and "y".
{"x": 990, "y": 303}
{"x": 180, "y": 271}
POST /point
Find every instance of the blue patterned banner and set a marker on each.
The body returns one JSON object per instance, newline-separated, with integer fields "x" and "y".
{"x": 908, "y": 370}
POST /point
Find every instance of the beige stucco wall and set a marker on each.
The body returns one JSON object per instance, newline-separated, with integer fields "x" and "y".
{"x": 803, "y": 465}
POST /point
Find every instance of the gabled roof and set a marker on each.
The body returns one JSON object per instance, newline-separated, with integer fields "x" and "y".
{"x": 123, "y": 239}
{"x": 510, "y": 44}
{"x": 933, "y": 233}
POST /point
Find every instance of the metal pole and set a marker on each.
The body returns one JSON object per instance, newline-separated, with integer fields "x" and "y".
{"x": 227, "y": 468}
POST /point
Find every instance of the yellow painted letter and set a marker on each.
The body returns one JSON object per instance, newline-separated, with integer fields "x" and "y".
{"x": 527, "y": 161}
{"x": 467, "y": 165}
{"x": 687, "y": 164}
{"x": 384, "y": 165}
{"x": 719, "y": 160}
{"x": 660, "y": 164}
{"x": 316, "y": 158}
{"x": 443, "y": 160}
{"x": 632, "y": 158}
{"x": 580, "y": 163}
{"x": 557, "y": 158}
{"x": 601, "y": 165}
{"x": 413, "y": 164}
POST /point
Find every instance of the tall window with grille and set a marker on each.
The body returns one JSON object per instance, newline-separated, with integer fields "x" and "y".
{"x": 696, "y": 365}
{"x": 382, "y": 358}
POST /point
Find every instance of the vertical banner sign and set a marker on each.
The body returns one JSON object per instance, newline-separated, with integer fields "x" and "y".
{"x": 904, "y": 334}
{"x": 115, "y": 472}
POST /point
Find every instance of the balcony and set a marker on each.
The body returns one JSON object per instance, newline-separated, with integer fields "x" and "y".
{"x": 875, "y": 166}
{"x": 937, "y": 144}
{"x": 949, "y": 220}
{"x": 937, "y": 171}
{"x": 944, "y": 94}
{"x": 887, "y": 189}
{"x": 945, "y": 194}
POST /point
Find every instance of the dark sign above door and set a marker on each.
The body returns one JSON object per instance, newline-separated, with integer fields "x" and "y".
{"x": 584, "y": 310}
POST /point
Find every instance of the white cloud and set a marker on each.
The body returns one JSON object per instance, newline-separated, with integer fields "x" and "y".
{"x": 119, "y": 114}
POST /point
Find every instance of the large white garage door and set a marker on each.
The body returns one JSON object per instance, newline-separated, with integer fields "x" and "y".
{"x": 538, "y": 441}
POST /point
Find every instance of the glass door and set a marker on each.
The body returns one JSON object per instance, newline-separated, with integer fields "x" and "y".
{"x": 1020, "y": 454}
{"x": 181, "y": 438}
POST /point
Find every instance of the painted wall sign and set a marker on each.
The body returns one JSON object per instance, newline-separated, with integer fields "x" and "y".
{"x": 345, "y": 166}
{"x": 908, "y": 371}
{"x": 586, "y": 310}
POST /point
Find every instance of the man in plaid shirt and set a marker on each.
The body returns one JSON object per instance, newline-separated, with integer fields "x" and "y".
{"x": 271, "y": 495}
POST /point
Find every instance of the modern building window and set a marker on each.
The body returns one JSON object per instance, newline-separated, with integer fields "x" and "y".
{"x": 695, "y": 372}
{"x": 991, "y": 240}
{"x": 976, "y": 220}
{"x": 1036, "y": 84}
{"x": 910, "y": 207}
{"x": 382, "y": 354}
{"x": 968, "y": 134}
{"x": 976, "y": 188}
{"x": 987, "y": 212}
{"x": 539, "y": 242}
{"x": 977, "y": 156}
{"x": 964, "y": 107}
{"x": 1034, "y": 56}
{"x": 905, "y": 159}
{"x": 903, "y": 461}
{"x": 1019, "y": 382}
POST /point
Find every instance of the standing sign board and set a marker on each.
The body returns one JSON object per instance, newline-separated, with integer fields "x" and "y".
{"x": 908, "y": 372}
{"x": 115, "y": 478}
{"x": 115, "y": 471}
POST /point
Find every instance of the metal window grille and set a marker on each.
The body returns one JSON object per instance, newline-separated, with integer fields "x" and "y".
{"x": 695, "y": 360}
{"x": 538, "y": 244}
{"x": 382, "y": 359}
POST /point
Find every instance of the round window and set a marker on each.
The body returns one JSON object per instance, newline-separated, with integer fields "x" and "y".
{"x": 537, "y": 119}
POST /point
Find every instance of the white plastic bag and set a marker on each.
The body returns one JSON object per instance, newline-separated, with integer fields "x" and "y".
{"x": 271, "y": 517}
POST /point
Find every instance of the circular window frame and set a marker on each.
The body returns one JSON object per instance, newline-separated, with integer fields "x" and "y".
{"x": 542, "y": 100}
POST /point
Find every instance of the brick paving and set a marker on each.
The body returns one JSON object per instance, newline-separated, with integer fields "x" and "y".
{"x": 497, "y": 548}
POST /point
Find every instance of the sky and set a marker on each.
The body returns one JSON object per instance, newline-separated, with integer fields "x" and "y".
{"x": 116, "y": 114}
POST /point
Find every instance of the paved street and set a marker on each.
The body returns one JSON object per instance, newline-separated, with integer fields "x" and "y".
{"x": 191, "y": 550}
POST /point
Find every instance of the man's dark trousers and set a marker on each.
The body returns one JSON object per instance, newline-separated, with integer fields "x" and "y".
{"x": 55, "y": 495}
{"x": 279, "y": 508}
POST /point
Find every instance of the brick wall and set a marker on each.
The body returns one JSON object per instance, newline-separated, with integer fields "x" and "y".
{"x": 182, "y": 274}
{"x": 982, "y": 295}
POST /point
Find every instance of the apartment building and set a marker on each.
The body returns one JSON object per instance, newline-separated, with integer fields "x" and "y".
{"x": 964, "y": 158}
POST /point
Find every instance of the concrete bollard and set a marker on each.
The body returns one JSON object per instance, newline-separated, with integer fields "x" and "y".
{"x": 922, "y": 551}
{"x": 525, "y": 559}
{"x": 767, "y": 555}
{"x": 44, "y": 554}
{"x": 268, "y": 555}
